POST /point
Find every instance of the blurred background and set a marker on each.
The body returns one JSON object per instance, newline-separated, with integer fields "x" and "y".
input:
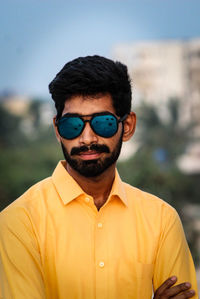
{"x": 160, "y": 43}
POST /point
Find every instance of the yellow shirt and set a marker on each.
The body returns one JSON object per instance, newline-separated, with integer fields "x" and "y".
{"x": 55, "y": 244}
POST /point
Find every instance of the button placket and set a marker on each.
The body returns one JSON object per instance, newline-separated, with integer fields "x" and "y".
{"x": 100, "y": 257}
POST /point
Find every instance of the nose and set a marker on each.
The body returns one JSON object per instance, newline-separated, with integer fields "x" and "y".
{"x": 88, "y": 136}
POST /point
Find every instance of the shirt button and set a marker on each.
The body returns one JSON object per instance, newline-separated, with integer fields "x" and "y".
{"x": 87, "y": 199}
{"x": 101, "y": 264}
{"x": 99, "y": 225}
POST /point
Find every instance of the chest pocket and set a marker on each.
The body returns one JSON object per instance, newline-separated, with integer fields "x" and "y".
{"x": 132, "y": 280}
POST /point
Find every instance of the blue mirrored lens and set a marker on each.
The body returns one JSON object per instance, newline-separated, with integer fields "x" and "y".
{"x": 70, "y": 127}
{"x": 104, "y": 125}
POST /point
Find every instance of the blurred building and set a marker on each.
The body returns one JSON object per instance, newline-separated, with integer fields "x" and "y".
{"x": 15, "y": 104}
{"x": 161, "y": 70}
{"x": 33, "y": 113}
{"x": 192, "y": 69}
{"x": 189, "y": 163}
{"x": 156, "y": 69}
{"x": 25, "y": 107}
{"x": 164, "y": 69}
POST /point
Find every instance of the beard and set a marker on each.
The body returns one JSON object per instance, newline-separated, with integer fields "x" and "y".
{"x": 92, "y": 168}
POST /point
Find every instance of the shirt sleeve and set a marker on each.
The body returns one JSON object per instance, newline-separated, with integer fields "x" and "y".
{"x": 21, "y": 274}
{"x": 173, "y": 255}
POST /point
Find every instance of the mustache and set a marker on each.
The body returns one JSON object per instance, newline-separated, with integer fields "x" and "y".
{"x": 99, "y": 148}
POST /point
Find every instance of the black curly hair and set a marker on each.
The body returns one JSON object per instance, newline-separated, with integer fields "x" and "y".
{"x": 92, "y": 75}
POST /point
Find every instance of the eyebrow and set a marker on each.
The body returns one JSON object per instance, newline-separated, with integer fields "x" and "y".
{"x": 83, "y": 115}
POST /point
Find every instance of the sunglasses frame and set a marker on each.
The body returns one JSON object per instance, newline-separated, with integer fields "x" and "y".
{"x": 89, "y": 120}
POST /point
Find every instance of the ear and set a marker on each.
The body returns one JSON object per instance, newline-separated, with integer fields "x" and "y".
{"x": 56, "y": 130}
{"x": 129, "y": 126}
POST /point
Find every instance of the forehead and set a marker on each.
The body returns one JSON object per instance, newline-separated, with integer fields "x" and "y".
{"x": 86, "y": 105}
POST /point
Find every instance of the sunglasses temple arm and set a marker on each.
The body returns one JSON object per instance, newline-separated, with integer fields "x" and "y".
{"x": 123, "y": 118}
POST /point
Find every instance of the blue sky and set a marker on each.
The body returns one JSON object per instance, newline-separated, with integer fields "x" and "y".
{"x": 38, "y": 37}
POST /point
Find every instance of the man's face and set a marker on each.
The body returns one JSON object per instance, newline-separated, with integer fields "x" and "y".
{"x": 89, "y": 154}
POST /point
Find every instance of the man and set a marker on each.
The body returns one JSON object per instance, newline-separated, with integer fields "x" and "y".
{"x": 83, "y": 233}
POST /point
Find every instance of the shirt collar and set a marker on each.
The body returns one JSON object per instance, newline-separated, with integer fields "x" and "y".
{"x": 66, "y": 186}
{"x": 68, "y": 189}
{"x": 118, "y": 189}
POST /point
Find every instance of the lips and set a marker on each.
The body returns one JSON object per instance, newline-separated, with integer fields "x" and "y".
{"x": 89, "y": 155}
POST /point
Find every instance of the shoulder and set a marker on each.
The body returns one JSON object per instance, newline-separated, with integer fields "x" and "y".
{"x": 150, "y": 206}
{"x": 29, "y": 203}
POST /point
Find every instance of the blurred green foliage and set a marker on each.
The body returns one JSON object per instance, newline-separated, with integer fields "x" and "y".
{"x": 29, "y": 152}
{"x": 26, "y": 156}
{"x": 153, "y": 168}
{"x": 154, "y": 165}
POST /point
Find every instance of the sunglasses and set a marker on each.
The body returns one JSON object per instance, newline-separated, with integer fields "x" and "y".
{"x": 104, "y": 124}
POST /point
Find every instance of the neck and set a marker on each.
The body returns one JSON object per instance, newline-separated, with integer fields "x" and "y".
{"x": 98, "y": 187}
